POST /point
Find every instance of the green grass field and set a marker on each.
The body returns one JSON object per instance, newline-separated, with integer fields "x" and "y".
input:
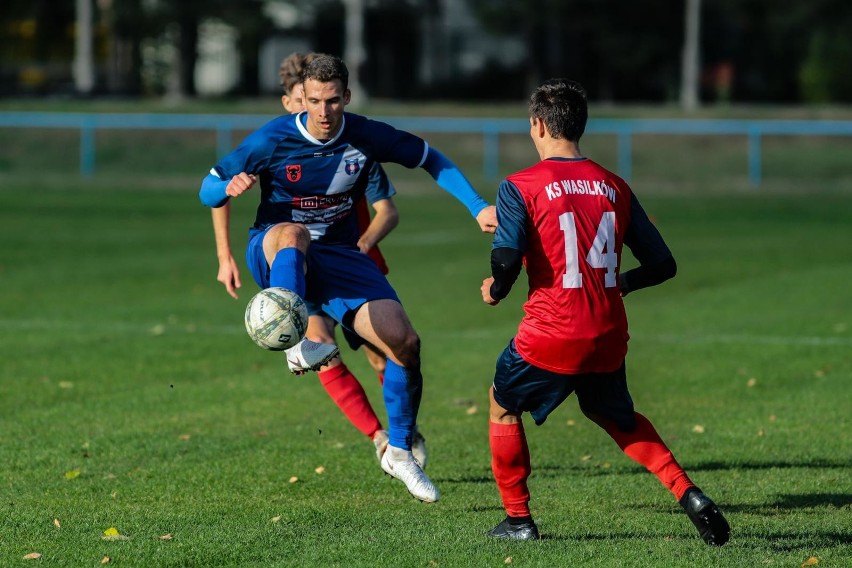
{"x": 132, "y": 399}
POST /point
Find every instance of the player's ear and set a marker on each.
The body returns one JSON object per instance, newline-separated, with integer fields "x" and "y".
{"x": 347, "y": 96}
{"x": 537, "y": 127}
{"x": 285, "y": 102}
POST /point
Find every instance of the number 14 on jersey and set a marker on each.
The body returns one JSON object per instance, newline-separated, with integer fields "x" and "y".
{"x": 601, "y": 254}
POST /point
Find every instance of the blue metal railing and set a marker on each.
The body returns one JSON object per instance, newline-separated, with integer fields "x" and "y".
{"x": 490, "y": 128}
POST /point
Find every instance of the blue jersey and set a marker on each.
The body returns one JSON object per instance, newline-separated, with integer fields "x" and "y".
{"x": 316, "y": 183}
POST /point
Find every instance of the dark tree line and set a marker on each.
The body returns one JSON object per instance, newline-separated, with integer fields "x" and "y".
{"x": 751, "y": 50}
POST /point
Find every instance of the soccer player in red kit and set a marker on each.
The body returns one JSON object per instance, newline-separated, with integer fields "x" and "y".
{"x": 566, "y": 220}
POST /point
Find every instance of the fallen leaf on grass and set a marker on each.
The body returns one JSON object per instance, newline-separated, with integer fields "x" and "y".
{"x": 106, "y": 560}
{"x": 167, "y": 536}
{"x": 571, "y": 423}
{"x": 56, "y": 523}
{"x": 72, "y": 474}
{"x": 184, "y": 437}
{"x": 586, "y": 458}
{"x": 508, "y": 560}
{"x": 66, "y": 385}
{"x": 751, "y": 382}
{"x": 113, "y": 534}
{"x": 32, "y": 556}
{"x": 293, "y": 479}
{"x": 472, "y": 410}
{"x": 320, "y": 470}
{"x": 276, "y": 519}
{"x": 698, "y": 429}
{"x": 812, "y": 561}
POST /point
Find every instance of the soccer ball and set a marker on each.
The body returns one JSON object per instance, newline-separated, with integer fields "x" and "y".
{"x": 276, "y": 319}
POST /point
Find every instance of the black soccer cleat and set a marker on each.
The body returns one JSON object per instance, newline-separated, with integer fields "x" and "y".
{"x": 706, "y": 517}
{"x": 525, "y": 530}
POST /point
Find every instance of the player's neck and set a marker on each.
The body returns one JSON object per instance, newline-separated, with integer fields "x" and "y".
{"x": 554, "y": 148}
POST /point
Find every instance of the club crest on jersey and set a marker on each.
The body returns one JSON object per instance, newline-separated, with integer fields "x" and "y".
{"x": 352, "y": 167}
{"x": 294, "y": 172}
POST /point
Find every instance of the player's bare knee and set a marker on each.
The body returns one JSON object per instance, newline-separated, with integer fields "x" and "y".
{"x": 287, "y": 235}
{"x": 408, "y": 350}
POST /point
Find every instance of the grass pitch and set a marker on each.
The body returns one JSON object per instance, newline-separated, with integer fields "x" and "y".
{"x": 134, "y": 407}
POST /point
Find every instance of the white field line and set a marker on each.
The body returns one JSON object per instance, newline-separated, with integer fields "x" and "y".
{"x": 188, "y": 328}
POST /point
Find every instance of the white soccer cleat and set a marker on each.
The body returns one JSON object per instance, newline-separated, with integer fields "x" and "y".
{"x": 380, "y": 440}
{"x": 418, "y": 448}
{"x": 407, "y": 471}
{"x": 309, "y": 356}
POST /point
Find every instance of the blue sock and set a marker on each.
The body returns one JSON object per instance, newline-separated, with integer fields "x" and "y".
{"x": 288, "y": 271}
{"x": 402, "y": 390}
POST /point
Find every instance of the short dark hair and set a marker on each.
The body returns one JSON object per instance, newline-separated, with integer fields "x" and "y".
{"x": 291, "y": 69}
{"x": 326, "y": 68}
{"x": 561, "y": 104}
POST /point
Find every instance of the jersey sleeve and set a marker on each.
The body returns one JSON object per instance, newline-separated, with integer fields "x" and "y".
{"x": 642, "y": 237}
{"x": 397, "y": 146}
{"x": 378, "y": 185}
{"x": 512, "y": 218}
{"x": 251, "y": 156}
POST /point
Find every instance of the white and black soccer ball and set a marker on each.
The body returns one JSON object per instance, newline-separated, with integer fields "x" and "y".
{"x": 276, "y": 319}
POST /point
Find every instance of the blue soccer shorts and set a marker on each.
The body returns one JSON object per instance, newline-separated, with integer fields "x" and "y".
{"x": 522, "y": 387}
{"x": 339, "y": 280}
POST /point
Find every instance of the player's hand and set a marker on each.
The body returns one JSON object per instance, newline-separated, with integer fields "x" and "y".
{"x": 240, "y": 184}
{"x": 486, "y": 292}
{"x": 229, "y": 275}
{"x": 487, "y": 219}
{"x": 364, "y": 246}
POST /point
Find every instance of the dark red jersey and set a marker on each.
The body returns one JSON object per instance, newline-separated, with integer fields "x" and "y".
{"x": 569, "y": 218}
{"x": 363, "y": 214}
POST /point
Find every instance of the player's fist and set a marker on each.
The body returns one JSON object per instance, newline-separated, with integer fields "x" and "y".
{"x": 487, "y": 219}
{"x": 240, "y": 183}
{"x": 486, "y": 291}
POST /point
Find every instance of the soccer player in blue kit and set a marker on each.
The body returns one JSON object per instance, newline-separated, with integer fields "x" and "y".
{"x": 342, "y": 386}
{"x": 312, "y": 167}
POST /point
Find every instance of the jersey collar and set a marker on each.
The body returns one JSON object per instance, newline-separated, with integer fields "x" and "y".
{"x": 301, "y": 122}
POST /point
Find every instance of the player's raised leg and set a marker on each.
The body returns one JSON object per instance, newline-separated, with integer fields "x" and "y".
{"x": 607, "y": 402}
{"x": 385, "y": 324}
{"x": 285, "y": 246}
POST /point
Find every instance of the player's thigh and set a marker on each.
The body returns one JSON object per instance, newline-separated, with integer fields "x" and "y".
{"x": 385, "y": 324}
{"x": 520, "y": 387}
{"x": 605, "y": 397}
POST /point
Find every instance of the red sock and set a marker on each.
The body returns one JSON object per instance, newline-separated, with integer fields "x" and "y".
{"x": 510, "y": 462}
{"x": 348, "y": 394}
{"x": 645, "y": 446}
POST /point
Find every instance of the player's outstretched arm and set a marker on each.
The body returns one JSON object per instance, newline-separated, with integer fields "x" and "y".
{"x": 216, "y": 191}
{"x": 229, "y": 273}
{"x": 450, "y": 178}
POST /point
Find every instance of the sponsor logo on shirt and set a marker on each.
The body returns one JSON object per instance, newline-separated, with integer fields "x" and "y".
{"x": 321, "y": 201}
{"x": 294, "y": 172}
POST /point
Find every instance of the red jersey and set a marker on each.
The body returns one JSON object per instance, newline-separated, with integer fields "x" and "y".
{"x": 363, "y": 215}
{"x": 577, "y": 213}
